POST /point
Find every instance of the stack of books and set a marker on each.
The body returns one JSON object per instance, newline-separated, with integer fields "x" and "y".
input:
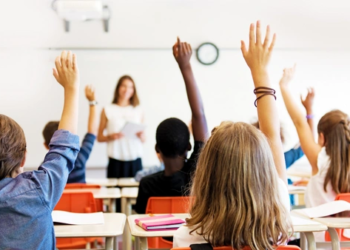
{"x": 160, "y": 222}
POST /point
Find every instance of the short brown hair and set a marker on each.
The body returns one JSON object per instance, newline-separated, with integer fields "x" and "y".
{"x": 236, "y": 201}
{"x": 49, "y": 130}
{"x": 12, "y": 146}
{"x": 134, "y": 100}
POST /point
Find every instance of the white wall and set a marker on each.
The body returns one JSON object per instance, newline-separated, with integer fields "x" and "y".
{"x": 313, "y": 34}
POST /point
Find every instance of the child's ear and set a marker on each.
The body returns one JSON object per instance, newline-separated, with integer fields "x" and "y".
{"x": 321, "y": 140}
{"x": 157, "y": 149}
{"x": 24, "y": 160}
{"x": 45, "y": 145}
{"x": 189, "y": 147}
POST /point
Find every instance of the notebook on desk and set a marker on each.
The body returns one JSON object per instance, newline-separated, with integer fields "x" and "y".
{"x": 160, "y": 222}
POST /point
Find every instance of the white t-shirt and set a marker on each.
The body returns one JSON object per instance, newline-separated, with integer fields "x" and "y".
{"x": 123, "y": 149}
{"x": 315, "y": 194}
{"x": 183, "y": 238}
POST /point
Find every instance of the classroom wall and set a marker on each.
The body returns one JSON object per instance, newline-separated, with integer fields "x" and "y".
{"x": 142, "y": 33}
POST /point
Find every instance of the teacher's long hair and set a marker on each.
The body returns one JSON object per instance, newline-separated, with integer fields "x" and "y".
{"x": 134, "y": 100}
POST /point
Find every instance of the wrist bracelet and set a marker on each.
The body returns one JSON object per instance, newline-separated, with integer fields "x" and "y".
{"x": 93, "y": 103}
{"x": 310, "y": 116}
{"x": 264, "y": 91}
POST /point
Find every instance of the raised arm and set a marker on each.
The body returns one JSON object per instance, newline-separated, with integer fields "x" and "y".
{"x": 182, "y": 53}
{"x": 67, "y": 74}
{"x": 93, "y": 122}
{"x": 310, "y": 147}
{"x": 257, "y": 57}
{"x": 308, "y": 103}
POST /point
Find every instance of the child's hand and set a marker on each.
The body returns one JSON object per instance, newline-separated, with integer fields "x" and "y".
{"x": 309, "y": 100}
{"x": 66, "y": 71}
{"x": 182, "y": 53}
{"x": 288, "y": 74}
{"x": 302, "y": 182}
{"x": 90, "y": 93}
{"x": 258, "y": 55}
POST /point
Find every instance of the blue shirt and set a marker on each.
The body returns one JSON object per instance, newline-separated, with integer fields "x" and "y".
{"x": 292, "y": 156}
{"x": 78, "y": 173}
{"x": 26, "y": 202}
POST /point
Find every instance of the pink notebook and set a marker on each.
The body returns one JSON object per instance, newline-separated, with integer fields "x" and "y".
{"x": 160, "y": 222}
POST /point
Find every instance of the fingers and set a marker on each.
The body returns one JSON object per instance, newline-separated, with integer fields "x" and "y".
{"x": 258, "y": 33}
{"x": 58, "y": 64}
{"x": 273, "y": 42}
{"x": 55, "y": 74}
{"x": 63, "y": 59}
{"x": 69, "y": 62}
{"x": 267, "y": 37}
{"x": 251, "y": 35}
{"x": 74, "y": 62}
{"x": 243, "y": 49}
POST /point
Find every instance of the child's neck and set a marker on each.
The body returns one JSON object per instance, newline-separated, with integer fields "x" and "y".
{"x": 173, "y": 165}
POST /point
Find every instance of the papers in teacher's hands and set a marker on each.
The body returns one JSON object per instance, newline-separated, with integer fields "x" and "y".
{"x": 130, "y": 129}
{"x": 323, "y": 210}
{"x": 77, "y": 218}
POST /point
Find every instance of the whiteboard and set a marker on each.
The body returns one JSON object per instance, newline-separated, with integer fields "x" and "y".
{"x": 30, "y": 95}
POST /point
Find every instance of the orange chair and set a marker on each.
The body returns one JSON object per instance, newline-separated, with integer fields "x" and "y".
{"x": 99, "y": 202}
{"x": 76, "y": 203}
{"x": 246, "y": 248}
{"x": 340, "y": 197}
{"x": 162, "y": 205}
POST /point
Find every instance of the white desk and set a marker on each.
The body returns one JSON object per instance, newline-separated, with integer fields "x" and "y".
{"x": 109, "y": 194}
{"x": 304, "y": 226}
{"x": 113, "y": 227}
{"x": 127, "y": 182}
{"x": 333, "y": 223}
{"x": 103, "y": 182}
{"x": 296, "y": 189}
{"x": 129, "y": 195}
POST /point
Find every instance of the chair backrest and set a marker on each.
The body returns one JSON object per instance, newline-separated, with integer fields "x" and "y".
{"x": 343, "y": 197}
{"x": 83, "y": 202}
{"x": 168, "y": 205}
{"x": 246, "y": 248}
{"x": 81, "y": 186}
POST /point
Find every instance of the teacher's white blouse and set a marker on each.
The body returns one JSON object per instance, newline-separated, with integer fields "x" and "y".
{"x": 123, "y": 149}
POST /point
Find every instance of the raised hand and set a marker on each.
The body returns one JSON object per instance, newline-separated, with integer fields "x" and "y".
{"x": 308, "y": 102}
{"x": 90, "y": 93}
{"x": 182, "y": 53}
{"x": 66, "y": 71}
{"x": 288, "y": 74}
{"x": 258, "y": 54}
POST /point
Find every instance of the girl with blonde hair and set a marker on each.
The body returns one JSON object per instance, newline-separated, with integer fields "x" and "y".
{"x": 240, "y": 186}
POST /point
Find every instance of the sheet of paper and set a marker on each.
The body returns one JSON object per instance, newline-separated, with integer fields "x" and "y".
{"x": 77, "y": 218}
{"x": 327, "y": 209}
{"x": 130, "y": 129}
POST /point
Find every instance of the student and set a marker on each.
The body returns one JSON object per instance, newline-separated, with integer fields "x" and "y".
{"x": 124, "y": 153}
{"x": 28, "y": 198}
{"x": 239, "y": 197}
{"x": 330, "y": 157}
{"x": 173, "y": 141}
{"x": 78, "y": 173}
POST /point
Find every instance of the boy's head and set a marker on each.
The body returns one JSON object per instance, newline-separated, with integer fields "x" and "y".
{"x": 12, "y": 147}
{"x": 173, "y": 138}
{"x": 48, "y": 132}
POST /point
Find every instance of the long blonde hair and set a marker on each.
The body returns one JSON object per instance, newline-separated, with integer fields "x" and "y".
{"x": 335, "y": 127}
{"x": 236, "y": 194}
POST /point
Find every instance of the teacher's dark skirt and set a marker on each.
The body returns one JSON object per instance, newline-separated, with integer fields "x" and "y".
{"x": 120, "y": 169}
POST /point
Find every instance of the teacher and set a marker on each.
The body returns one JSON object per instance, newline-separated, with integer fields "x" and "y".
{"x": 124, "y": 152}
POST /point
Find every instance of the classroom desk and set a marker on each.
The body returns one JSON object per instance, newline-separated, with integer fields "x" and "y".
{"x": 109, "y": 194}
{"x": 304, "y": 226}
{"x": 296, "y": 189}
{"x": 113, "y": 226}
{"x": 296, "y": 173}
{"x": 129, "y": 195}
{"x": 333, "y": 223}
{"x": 127, "y": 182}
{"x": 103, "y": 182}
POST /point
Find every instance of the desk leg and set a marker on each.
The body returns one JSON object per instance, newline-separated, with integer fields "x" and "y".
{"x": 137, "y": 243}
{"x": 311, "y": 243}
{"x": 126, "y": 234}
{"x": 303, "y": 242}
{"x": 115, "y": 243}
{"x": 109, "y": 243}
{"x": 111, "y": 206}
{"x": 335, "y": 239}
{"x": 143, "y": 243}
